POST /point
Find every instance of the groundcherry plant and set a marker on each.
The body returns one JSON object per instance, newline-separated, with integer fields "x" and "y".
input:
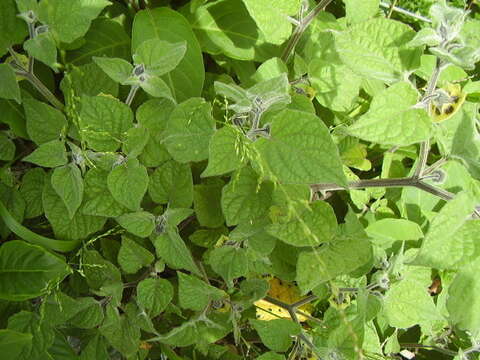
{"x": 239, "y": 179}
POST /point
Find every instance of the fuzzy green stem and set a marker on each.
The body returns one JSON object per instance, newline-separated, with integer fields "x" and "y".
{"x": 131, "y": 94}
{"x": 300, "y": 29}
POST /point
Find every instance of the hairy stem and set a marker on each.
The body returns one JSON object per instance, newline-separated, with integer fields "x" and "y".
{"x": 131, "y": 94}
{"x": 300, "y": 29}
{"x": 386, "y": 5}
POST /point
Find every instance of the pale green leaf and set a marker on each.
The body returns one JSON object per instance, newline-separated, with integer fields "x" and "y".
{"x": 9, "y": 88}
{"x": 273, "y": 20}
{"x": 305, "y": 225}
{"x": 128, "y": 183}
{"x": 385, "y": 232}
{"x": 79, "y": 227}
{"x": 44, "y": 122}
{"x": 207, "y": 205}
{"x": 26, "y": 271}
{"x": 50, "y": 154}
{"x": 118, "y": 69}
{"x": 295, "y": 151}
{"x": 98, "y": 199}
{"x": 31, "y": 189}
{"x": 106, "y": 37}
{"x": 189, "y": 129}
{"x": 392, "y": 120}
{"x": 171, "y": 183}
{"x": 171, "y": 248}
{"x": 463, "y": 303}
{"x": 12, "y": 29}
{"x": 159, "y": 57}
{"x": 196, "y": 294}
{"x": 69, "y": 20}
{"x": 377, "y": 49}
{"x": 276, "y": 334}
{"x": 229, "y": 262}
{"x": 245, "y": 198}
{"x": 227, "y": 151}
{"x": 139, "y": 223}
{"x": 408, "y": 303}
{"x": 154, "y": 295}
{"x": 186, "y": 80}
{"x": 67, "y": 182}
{"x": 339, "y": 257}
{"x": 442, "y": 247}
{"x": 132, "y": 256}
{"x": 156, "y": 87}
{"x": 225, "y": 27}
{"x": 104, "y": 122}
{"x": 358, "y": 12}
{"x": 136, "y": 140}
{"x": 43, "y": 48}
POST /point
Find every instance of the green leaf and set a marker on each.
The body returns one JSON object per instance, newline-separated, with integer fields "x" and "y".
{"x": 186, "y": 80}
{"x": 132, "y": 256}
{"x": 172, "y": 184}
{"x": 225, "y": 27}
{"x": 104, "y": 122}
{"x": 7, "y": 148}
{"x": 306, "y": 226}
{"x": 31, "y": 189}
{"x": 229, "y": 262}
{"x": 12, "y": 29}
{"x": 463, "y": 303}
{"x": 128, "y": 183}
{"x": 117, "y": 69}
{"x": 50, "y": 154}
{"x": 67, "y": 182}
{"x": 44, "y": 122}
{"x": 227, "y": 151}
{"x": 356, "y": 13}
{"x": 171, "y": 248}
{"x": 245, "y": 198}
{"x": 271, "y": 356}
{"x": 106, "y": 37}
{"x": 27, "y": 271}
{"x": 121, "y": 332}
{"x": 154, "y": 295}
{"x": 14, "y": 343}
{"x": 9, "y": 88}
{"x": 156, "y": 87}
{"x": 276, "y": 334}
{"x": 43, "y": 48}
{"x": 69, "y": 21}
{"x": 385, "y": 232}
{"x": 273, "y": 20}
{"x": 13, "y": 116}
{"x": 88, "y": 79}
{"x": 136, "y": 140}
{"x": 98, "y": 271}
{"x": 442, "y": 247}
{"x": 140, "y": 223}
{"x": 378, "y": 49}
{"x": 79, "y": 227}
{"x": 98, "y": 199}
{"x": 189, "y": 129}
{"x": 158, "y": 56}
{"x": 407, "y": 302}
{"x": 295, "y": 152}
{"x": 89, "y": 313}
{"x": 339, "y": 257}
{"x": 270, "y": 69}
{"x": 392, "y": 120}
{"x": 196, "y": 294}
{"x": 207, "y": 205}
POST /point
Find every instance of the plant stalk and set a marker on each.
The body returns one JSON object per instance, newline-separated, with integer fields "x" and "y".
{"x": 131, "y": 94}
{"x": 300, "y": 29}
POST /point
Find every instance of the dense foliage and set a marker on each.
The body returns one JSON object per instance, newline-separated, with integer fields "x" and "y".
{"x": 239, "y": 179}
